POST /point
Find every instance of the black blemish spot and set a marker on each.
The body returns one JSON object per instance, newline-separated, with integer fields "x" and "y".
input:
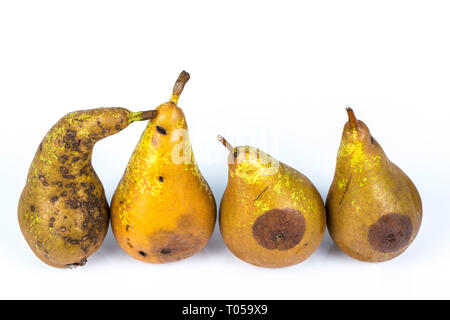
{"x": 306, "y": 244}
{"x": 40, "y": 146}
{"x": 346, "y": 189}
{"x": 280, "y": 229}
{"x": 161, "y": 179}
{"x": 371, "y": 139}
{"x": 65, "y": 173}
{"x": 161, "y": 130}
{"x": 259, "y": 196}
{"x": 142, "y": 253}
{"x": 165, "y": 251}
{"x": 59, "y": 184}
{"x": 84, "y": 170}
{"x": 391, "y": 232}
{"x": 54, "y": 199}
{"x": 78, "y": 264}
{"x": 63, "y": 194}
{"x": 52, "y": 219}
{"x": 63, "y": 158}
{"x": 127, "y": 227}
{"x": 85, "y": 156}
{"x": 72, "y": 203}
{"x": 43, "y": 180}
{"x": 117, "y": 127}
{"x": 99, "y": 123}
{"x": 32, "y": 208}
{"x": 62, "y": 229}
{"x": 70, "y": 141}
{"x": 75, "y": 159}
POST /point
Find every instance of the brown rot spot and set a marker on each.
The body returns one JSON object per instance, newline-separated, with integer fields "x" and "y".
{"x": 32, "y": 208}
{"x": 280, "y": 229}
{"x": 161, "y": 179}
{"x": 127, "y": 228}
{"x": 171, "y": 246}
{"x": 165, "y": 251}
{"x": 54, "y": 199}
{"x": 142, "y": 253}
{"x": 391, "y": 232}
{"x": 161, "y": 130}
{"x": 371, "y": 139}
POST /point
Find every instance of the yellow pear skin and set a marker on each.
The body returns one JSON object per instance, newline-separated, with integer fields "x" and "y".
{"x": 63, "y": 213}
{"x": 374, "y": 211}
{"x": 270, "y": 215}
{"x": 163, "y": 209}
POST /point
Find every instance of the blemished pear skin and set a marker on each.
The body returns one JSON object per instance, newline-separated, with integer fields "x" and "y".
{"x": 270, "y": 215}
{"x": 163, "y": 209}
{"x": 374, "y": 211}
{"x": 63, "y": 213}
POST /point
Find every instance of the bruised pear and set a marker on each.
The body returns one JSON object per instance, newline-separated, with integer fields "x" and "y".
{"x": 163, "y": 209}
{"x": 270, "y": 215}
{"x": 63, "y": 213}
{"x": 374, "y": 210}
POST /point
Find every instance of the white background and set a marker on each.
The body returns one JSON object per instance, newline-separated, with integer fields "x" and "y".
{"x": 276, "y": 75}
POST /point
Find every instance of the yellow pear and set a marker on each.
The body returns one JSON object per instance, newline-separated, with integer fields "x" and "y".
{"x": 163, "y": 209}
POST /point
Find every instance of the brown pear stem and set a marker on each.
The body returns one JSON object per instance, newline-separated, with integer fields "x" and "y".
{"x": 183, "y": 78}
{"x": 225, "y": 143}
{"x": 143, "y": 115}
{"x": 352, "y": 118}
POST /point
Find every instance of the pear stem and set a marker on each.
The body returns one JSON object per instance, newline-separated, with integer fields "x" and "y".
{"x": 352, "y": 118}
{"x": 183, "y": 78}
{"x": 142, "y": 115}
{"x": 225, "y": 143}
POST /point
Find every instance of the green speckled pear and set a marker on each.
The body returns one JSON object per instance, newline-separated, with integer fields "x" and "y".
{"x": 63, "y": 213}
{"x": 374, "y": 211}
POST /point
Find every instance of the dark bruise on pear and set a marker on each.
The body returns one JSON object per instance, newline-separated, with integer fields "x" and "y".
{"x": 63, "y": 213}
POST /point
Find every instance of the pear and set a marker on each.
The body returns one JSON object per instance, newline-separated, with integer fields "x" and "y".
{"x": 270, "y": 215}
{"x": 63, "y": 213}
{"x": 374, "y": 210}
{"x": 163, "y": 209}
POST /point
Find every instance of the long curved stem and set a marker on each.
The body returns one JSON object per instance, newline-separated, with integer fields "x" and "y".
{"x": 183, "y": 78}
{"x": 352, "y": 118}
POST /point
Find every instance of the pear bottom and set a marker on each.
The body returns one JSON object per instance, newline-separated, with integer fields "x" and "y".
{"x": 278, "y": 238}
